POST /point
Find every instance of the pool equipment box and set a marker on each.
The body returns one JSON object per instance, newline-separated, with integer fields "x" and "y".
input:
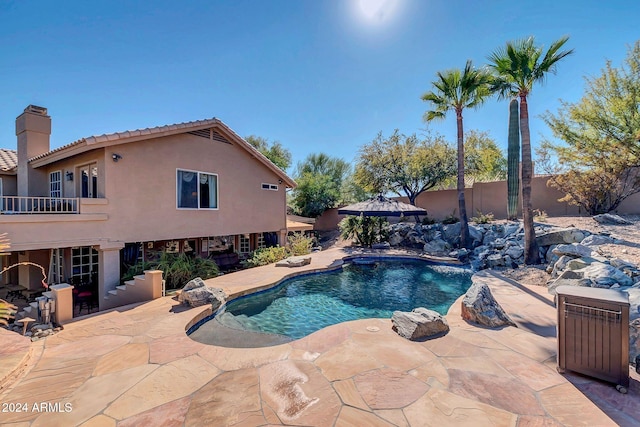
{"x": 593, "y": 333}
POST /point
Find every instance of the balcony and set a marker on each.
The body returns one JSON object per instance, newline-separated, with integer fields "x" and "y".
{"x": 19, "y": 205}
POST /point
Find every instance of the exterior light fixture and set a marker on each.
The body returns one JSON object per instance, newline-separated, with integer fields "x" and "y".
{"x": 69, "y": 176}
{"x": 116, "y": 157}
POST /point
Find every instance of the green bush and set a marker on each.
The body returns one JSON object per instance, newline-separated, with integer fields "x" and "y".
{"x": 482, "y": 218}
{"x": 266, "y": 256}
{"x": 299, "y": 244}
{"x": 451, "y": 219}
{"x": 177, "y": 269}
{"x": 365, "y": 230}
{"x": 428, "y": 221}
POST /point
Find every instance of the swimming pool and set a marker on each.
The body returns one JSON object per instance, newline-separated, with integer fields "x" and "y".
{"x": 363, "y": 288}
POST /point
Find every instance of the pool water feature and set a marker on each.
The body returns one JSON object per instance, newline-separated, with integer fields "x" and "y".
{"x": 363, "y": 288}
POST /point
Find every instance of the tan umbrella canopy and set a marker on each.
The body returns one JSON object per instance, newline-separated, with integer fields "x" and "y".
{"x": 381, "y": 206}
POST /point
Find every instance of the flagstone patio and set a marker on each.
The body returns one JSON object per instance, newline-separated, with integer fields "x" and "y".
{"x": 135, "y": 366}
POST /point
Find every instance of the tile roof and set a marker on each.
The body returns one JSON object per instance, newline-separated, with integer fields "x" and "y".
{"x": 8, "y": 159}
{"x": 129, "y": 134}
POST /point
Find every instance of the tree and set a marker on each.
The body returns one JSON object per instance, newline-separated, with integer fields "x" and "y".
{"x": 320, "y": 181}
{"x": 404, "y": 164}
{"x": 273, "y": 151}
{"x": 518, "y": 66}
{"x": 484, "y": 160}
{"x": 455, "y": 90}
{"x": 598, "y": 161}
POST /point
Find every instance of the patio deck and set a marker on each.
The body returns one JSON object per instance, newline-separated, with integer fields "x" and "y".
{"x": 135, "y": 366}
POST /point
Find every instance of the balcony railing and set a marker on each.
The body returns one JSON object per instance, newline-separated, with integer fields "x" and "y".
{"x": 39, "y": 205}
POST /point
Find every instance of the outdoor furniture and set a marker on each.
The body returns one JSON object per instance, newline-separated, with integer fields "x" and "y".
{"x": 226, "y": 261}
{"x": 15, "y": 291}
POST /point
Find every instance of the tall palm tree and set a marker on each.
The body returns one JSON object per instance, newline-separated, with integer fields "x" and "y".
{"x": 455, "y": 90}
{"x": 518, "y": 66}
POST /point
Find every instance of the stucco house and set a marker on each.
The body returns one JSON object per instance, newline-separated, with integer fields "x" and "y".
{"x": 86, "y": 208}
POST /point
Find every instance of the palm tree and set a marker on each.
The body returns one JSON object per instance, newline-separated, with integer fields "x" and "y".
{"x": 518, "y": 66}
{"x": 456, "y": 90}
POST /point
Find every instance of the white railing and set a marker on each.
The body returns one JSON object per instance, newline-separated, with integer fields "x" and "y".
{"x": 39, "y": 205}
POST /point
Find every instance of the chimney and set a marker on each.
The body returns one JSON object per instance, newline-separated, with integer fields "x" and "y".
{"x": 33, "y": 128}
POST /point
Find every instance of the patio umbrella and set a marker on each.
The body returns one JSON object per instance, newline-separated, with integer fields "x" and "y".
{"x": 381, "y": 206}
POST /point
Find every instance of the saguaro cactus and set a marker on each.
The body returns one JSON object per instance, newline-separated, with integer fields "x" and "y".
{"x": 513, "y": 161}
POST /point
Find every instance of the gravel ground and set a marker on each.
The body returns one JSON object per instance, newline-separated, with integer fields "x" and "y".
{"x": 628, "y": 248}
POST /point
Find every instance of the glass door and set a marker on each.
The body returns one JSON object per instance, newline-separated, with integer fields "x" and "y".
{"x": 89, "y": 181}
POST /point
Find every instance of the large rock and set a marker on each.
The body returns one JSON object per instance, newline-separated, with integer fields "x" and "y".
{"x": 611, "y": 219}
{"x": 605, "y": 275}
{"x": 569, "y": 278}
{"x": 436, "y": 246}
{"x": 294, "y": 261}
{"x": 419, "y": 323}
{"x": 634, "y": 340}
{"x": 565, "y": 235}
{"x": 195, "y": 293}
{"x": 451, "y": 233}
{"x": 597, "y": 239}
{"x": 395, "y": 239}
{"x": 575, "y": 250}
{"x": 514, "y": 252}
{"x": 479, "y": 306}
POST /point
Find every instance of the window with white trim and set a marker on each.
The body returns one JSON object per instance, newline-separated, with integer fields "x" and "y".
{"x": 55, "y": 184}
{"x": 84, "y": 263}
{"x": 261, "y": 243}
{"x": 267, "y": 186}
{"x": 244, "y": 244}
{"x": 196, "y": 190}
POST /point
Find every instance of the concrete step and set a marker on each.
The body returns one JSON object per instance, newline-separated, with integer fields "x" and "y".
{"x": 122, "y": 288}
{"x": 48, "y": 294}
{"x": 114, "y": 292}
{"x": 132, "y": 282}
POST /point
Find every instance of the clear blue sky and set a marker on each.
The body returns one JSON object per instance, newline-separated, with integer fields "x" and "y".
{"x": 318, "y": 76}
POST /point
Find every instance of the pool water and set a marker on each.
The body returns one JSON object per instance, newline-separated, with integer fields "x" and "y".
{"x": 361, "y": 289}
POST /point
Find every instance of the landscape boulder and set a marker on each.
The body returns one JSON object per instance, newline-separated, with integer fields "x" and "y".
{"x": 605, "y": 275}
{"x": 569, "y": 278}
{"x": 575, "y": 250}
{"x": 564, "y": 235}
{"x": 419, "y": 323}
{"x": 436, "y": 246}
{"x": 195, "y": 294}
{"x": 611, "y": 219}
{"x": 479, "y": 306}
{"x": 294, "y": 261}
{"x": 597, "y": 239}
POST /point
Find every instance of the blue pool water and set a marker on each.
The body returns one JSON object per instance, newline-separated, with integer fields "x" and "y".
{"x": 362, "y": 289}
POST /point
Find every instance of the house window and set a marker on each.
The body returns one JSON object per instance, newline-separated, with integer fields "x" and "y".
{"x": 245, "y": 244}
{"x": 272, "y": 187}
{"x": 56, "y": 267}
{"x": 84, "y": 264}
{"x": 197, "y": 190}
{"x": 261, "y": 243}
{"x": 55, "y": 184}
{"x": 88, "y": 181}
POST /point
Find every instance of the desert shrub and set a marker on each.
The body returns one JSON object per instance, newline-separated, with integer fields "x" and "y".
{"x": 299, "y": 244}
{"x": 428, "y": 221}
{"x": 365, "y": 230}
{"x": 451, "y": 219}
{"x": 266, "y": 256}
{"x": 482, "y": 218}
{"x": 177, "y": 269}
{"x": 539, "y": 215}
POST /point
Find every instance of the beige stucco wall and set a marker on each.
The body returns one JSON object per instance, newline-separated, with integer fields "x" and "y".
{"x": 141, "y": 188}
{"x": 489, "y": 197}
{"x": 137, "y": 196}
{"x": 9, "y": 185}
